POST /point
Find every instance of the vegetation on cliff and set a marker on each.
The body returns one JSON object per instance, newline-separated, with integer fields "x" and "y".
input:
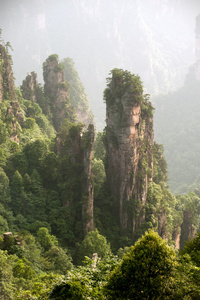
{"x": 47, "y": 175}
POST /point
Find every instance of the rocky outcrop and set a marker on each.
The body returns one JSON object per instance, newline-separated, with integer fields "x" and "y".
{"x": 15, "y": 115}
{"x": 129, "y": 140}
{"x": 7, "y": 91}
{"x": 56, "y": 89}
{"x": 29, "y": 86}
{"x": 176, "y": 236}
{"x": 7, "y": 86}
{"x": 187, "y": 227}
{"x": 77, "y": 146}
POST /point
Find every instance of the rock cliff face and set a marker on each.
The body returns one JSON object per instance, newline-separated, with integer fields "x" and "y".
{"x": 56, "y": 89}
{"x": 187, "y": 227}
{"x": 7, "y": 92}
{"x": 88, "y": 188}
{"x": 77, "y": 93}
{"x": 78, "y": 146}
{"x": 29, "y": 86}
{"x": 129, "y": 140}
{"x": 7, "y": 86}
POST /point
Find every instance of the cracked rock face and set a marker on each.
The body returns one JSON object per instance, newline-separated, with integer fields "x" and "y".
{"x": 129, "y": 140}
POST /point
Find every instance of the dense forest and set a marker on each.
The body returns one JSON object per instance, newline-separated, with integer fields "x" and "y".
{"x": 86, "y": 214}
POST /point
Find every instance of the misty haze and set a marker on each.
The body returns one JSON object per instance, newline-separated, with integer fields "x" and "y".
{"x": 99, "y": 143}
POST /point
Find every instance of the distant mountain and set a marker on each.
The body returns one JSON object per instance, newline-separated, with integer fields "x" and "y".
{"x": 151, "y": 38}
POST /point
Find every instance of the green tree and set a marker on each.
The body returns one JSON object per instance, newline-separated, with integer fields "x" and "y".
{"x": 45, "y": 239}
{"x": 38, "y": 198}
{"x": 192, "y": 247}
{"x": 23, "y": 269}
{"x": 73, "y": 290}
{"x": 4, "y": 188}
{"x": 3, "y": 225}
{"x": 94, "y": 242}
{"x": 98, "y": 173}
{"x": 99, "y": 148}
{"x": 145, "y": 271}
{"x": 58, "y": 259}
{"x": 35, "y": 153}
{"x": 6, "y": 276}
{"x": 17, "y": 194}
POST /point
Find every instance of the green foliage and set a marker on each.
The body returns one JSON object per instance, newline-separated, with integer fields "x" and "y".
{"x": 93, "y": 243}
{"x": 99, "y": 149}
{"x": 98, "y": 173}
{"x": 30, "y": 123}
{"x": 186, "y": 280}
{"x": 6, "y": 276}
{"x": 192, "y": 247}
{"x": 122, "y": 82}
{"x": 68, "y": 290}
{"x": 160, "y": 164}
{"x": 3, "y": 225}
{"x": 53, "y": 57}
{"x": 178, "y": 133}
{"x": 92, "y": 276}
{"x": 57, "y": 260}
{"x": 145, "y": 272}
{"x": 23, "y": 269}
{"x": 45, "y": 239}
{"x": 77, "y": 93}
{"x": 4, "y": 188}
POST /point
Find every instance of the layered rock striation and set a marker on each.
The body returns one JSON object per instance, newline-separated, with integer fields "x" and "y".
{"x": 128, "y": 141}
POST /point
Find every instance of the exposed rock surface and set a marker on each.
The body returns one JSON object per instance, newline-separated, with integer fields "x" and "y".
{"x": 7, "y": 86}
{"x": 56, "y": 89}
{"x": 187, "y": 227}
{"x": 129, "y": 140}
{"x": 176, "y": 236}
{"x": 29, "y": 86}
{"x": 77, "y": 93}
{"x": 78, "y": 145}
{"x": 88, "y": 188}
{"x": 7, "y": 92}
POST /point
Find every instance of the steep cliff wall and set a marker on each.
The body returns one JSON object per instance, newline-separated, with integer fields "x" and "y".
{"x": 76, "y": 147}
{"x": 187, "y": 227}
{"x": 56, "y": 89}
{"x": 7, "y": 92}
{"x": 129, "y": 140}
{"x": 87, "y": 186}
{"x": 7, "y": 86}
{"x": 29, "y": 86}
{"x": 77, "y": 93}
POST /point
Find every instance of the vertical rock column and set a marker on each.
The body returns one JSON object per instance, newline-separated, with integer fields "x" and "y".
{"x": 29, "y": 86}
{"x": 129, "y": 140}
{"x": 7, "y": 92}
{"x": 8, "y": 88}
{"x": 88, "y": 189}
{"x": 56, "y": 89}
